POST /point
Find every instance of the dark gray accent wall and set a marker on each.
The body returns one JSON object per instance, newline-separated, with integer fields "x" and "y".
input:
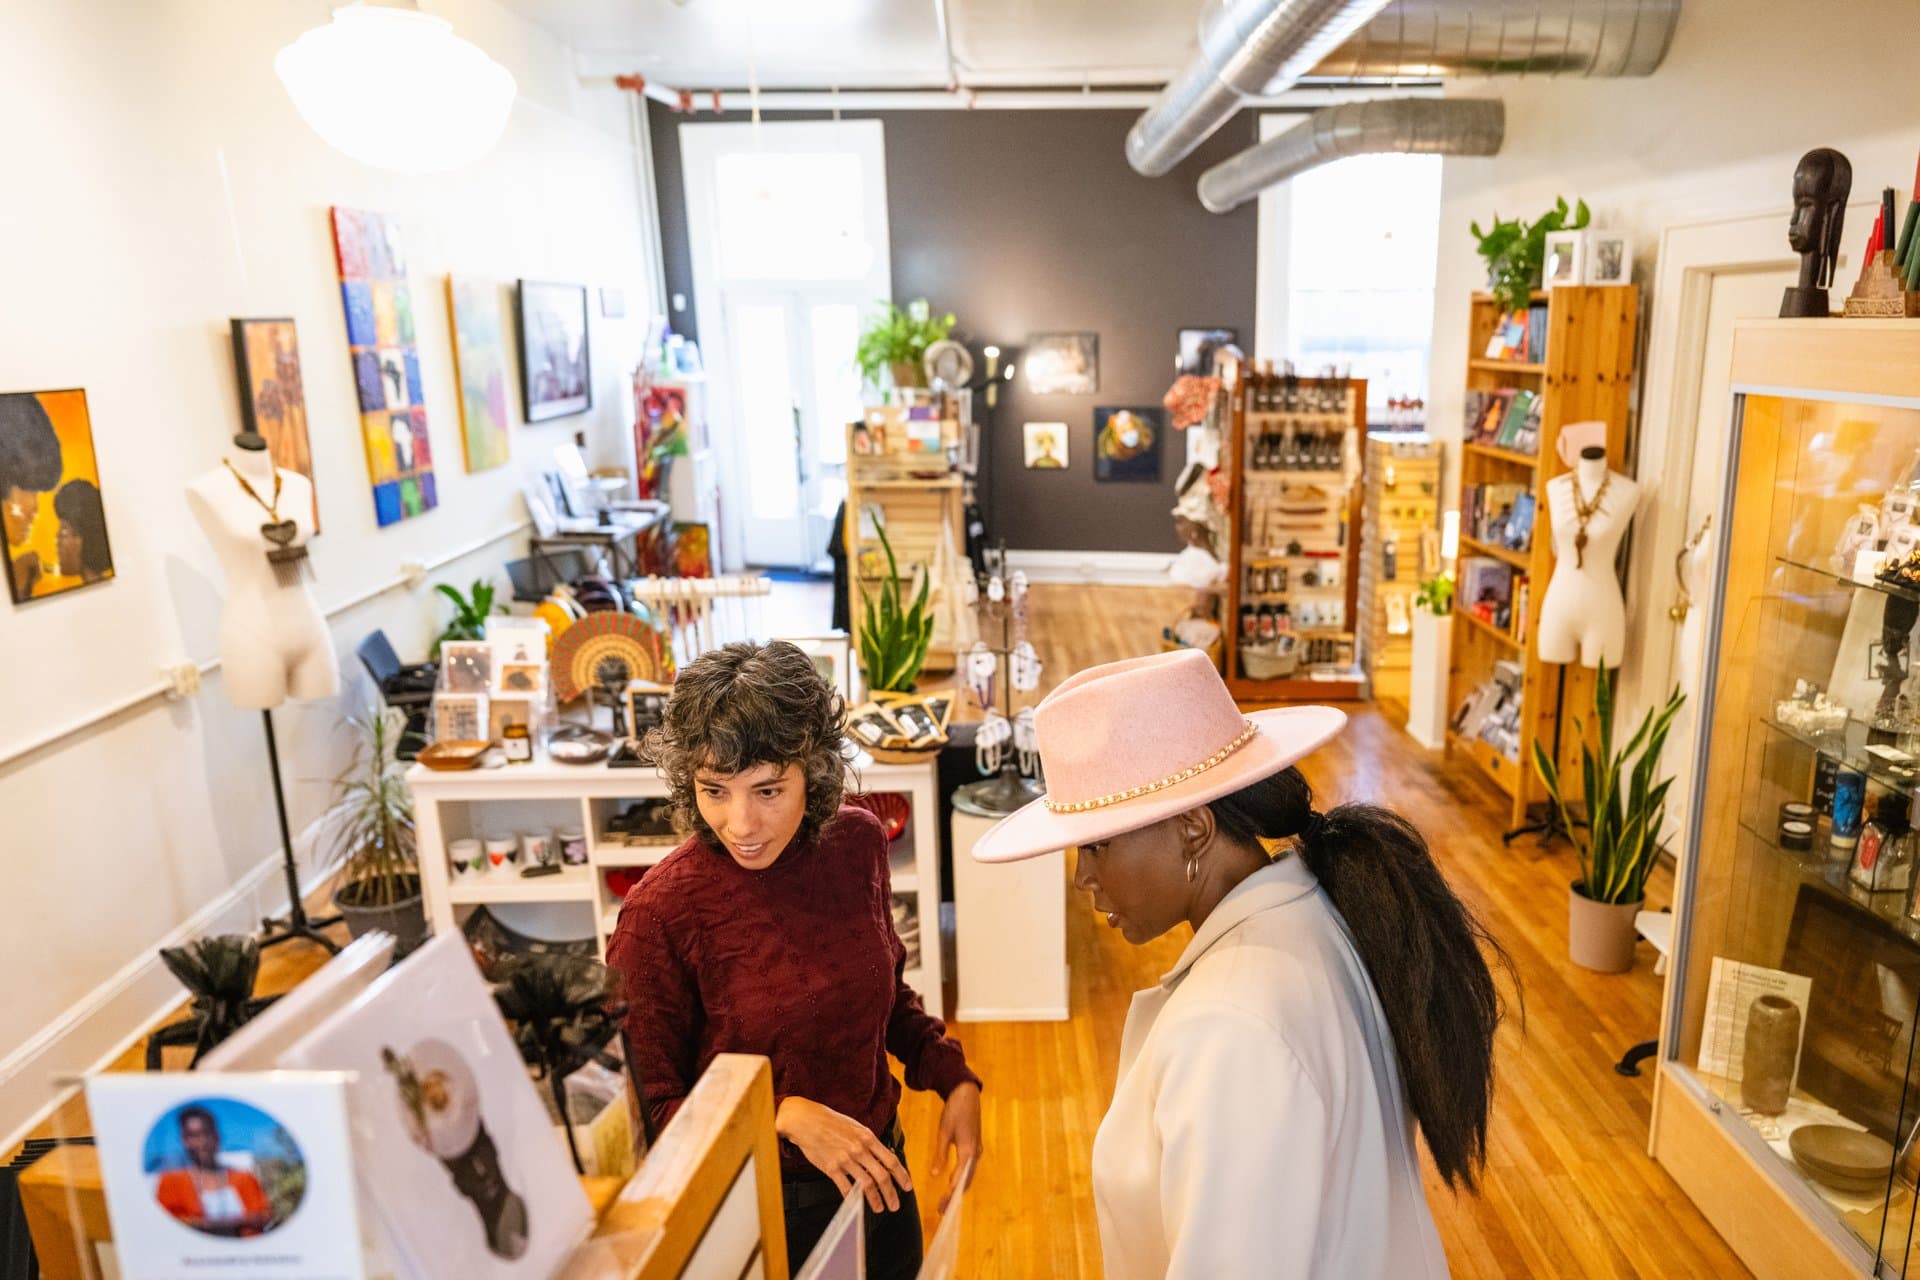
{"x": 1026, "y": 222}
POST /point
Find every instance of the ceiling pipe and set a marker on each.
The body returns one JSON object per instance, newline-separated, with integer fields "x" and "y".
{"x": 1247, "y": 48}
{"x": 1422, "y": 126}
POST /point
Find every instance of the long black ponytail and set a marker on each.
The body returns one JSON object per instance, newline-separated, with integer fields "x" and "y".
{"x": 1421, "y": 947}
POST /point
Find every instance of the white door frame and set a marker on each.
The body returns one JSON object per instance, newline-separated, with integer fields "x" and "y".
{"x": 701, "y": 144}
{"x": 1676, "y": 457}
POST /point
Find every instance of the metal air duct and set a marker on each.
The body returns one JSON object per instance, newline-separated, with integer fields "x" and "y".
{"x": 1431, "y": 126}
{"x": 1262, "y": 47}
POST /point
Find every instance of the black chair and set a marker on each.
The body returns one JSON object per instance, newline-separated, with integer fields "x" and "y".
{"x": 408, "y": 687}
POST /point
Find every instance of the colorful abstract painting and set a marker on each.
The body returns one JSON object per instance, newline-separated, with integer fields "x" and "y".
{"x": 692, "y": 550}
{"x": 56, "y": 527}
{"x": 386, "y": 363}
{"x": 273, "y": 400}
{"x": 480, "y": 362}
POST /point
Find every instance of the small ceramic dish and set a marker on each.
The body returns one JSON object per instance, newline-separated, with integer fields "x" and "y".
{"x": 575, "y": 744}
{"x": 1842, "y": 1158}
{"x": 448, "y": 757}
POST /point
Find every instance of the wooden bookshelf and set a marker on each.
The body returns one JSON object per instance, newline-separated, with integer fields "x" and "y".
{"x": 1587, "y": 376}
{"x": 1338, "y": 494}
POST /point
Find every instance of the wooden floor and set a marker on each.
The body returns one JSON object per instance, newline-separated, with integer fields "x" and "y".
{"x": 1569, "y": 1189}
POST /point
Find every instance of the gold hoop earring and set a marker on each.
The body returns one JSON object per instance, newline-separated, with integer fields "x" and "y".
{"x": 1193, "y": 867}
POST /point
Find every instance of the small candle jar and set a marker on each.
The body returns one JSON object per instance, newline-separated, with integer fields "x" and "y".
{"x": 573, "y": 846}
{"x": 500, "y": 853}
{"x": 464, "y": 856}
{"x": 516, "y": 744}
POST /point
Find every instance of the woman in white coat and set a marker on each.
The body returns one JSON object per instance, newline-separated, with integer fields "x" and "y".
{"x": 1333, "y": 997}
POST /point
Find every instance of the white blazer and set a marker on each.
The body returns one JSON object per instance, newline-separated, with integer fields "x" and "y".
{"x": 1259, "y": 1127}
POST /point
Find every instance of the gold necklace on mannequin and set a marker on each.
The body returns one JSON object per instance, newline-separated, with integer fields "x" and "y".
{"x": 287, "y": 560}
{"x": 1583, "y": 512}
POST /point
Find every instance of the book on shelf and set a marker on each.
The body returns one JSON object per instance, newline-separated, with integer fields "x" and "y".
{"x": 1486, "y": 511}
{"x": 1488, "y": 593}
{"x": 1537, "y": 333}
{"x": 1518, "y": 535}
{"x": 1518, "y": 410}
{"x": 1522, "y": 597}
{"x": 1509, "y": 340}
{"x": 1493, "y": 412}
{"x": 1527, "y": 440}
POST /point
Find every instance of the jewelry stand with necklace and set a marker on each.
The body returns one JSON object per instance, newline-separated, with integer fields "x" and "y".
{"x": 1004, "y": 746}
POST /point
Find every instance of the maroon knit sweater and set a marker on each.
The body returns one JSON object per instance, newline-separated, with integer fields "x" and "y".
{"x": 798, "y": 962}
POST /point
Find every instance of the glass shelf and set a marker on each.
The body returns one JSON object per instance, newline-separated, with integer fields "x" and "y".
{"x": 1850, "y": 749}
{"x": 1894, "y": 590}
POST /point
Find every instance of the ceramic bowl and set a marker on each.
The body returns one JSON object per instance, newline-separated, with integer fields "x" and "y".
{"x": 449, "y": 757}
{"x": 1842, "y": 1158}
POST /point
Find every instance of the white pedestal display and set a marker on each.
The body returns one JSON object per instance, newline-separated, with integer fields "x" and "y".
{"x": 1010, "y": 932}
{"x": 1427, "y": 692}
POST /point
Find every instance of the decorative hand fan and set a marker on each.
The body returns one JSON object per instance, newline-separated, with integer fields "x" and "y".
{"x": 605, "y": 651}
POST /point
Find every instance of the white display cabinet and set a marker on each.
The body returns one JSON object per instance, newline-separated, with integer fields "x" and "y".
{"x": 545, "y": 796}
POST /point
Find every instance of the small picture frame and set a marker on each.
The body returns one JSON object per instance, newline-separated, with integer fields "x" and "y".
{"x": 1565, "y": 258}
{"x": 460, "y": 717}
{"x": 646, "y": 707}
{"x": 466, "y": 666}
{"x": 510, "y": 708}
{"x": 522, "y": 677}
{"x": 1609, "y": 258}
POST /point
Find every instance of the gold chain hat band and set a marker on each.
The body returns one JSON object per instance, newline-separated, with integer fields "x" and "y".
{"x": 1148, "y": 788}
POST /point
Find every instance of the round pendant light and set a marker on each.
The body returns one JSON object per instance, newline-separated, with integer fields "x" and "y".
{"x": 397, "y": 89}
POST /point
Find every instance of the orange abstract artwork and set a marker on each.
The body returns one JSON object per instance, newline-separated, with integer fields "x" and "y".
{"x": 56, "y": 526}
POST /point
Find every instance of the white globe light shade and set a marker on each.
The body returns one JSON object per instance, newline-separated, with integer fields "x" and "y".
{"x": 397, "y": 90}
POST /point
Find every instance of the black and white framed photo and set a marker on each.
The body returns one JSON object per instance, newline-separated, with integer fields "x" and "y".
{"x": 1609, "y": 258}
{"x": 1565, "y": 259}
{"x": 1063, "y": 364}
{"x": 1197, "y": 347}
{"x": 556, "y": 372}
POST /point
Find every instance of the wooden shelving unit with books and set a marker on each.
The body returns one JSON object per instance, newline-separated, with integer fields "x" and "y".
{"x": 1518, "y": 402}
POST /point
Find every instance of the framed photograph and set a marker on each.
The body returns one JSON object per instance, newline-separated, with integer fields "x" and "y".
{"x": 273, "y": 400}
{"x": 556, "y": 373}
{"x": 646, "y": 706}
{"x": 509, "y": 708}
{"x": 1046, "y": 445}
{"x": 1609, "y": 258}
{"x": 1126, "y": 443}
{"x": 234, "y": 1174}
{"x": 1565, "y": 258}
{"x": 55, "y": 521}
{"x": 832, "y": 657}
{"x": 480, "y": 364}
{"x": 1197, "y": 347}
{"x": 466, "y": 666}
{"x": 523, "y": 677}
{"x": 461, "y": 717}
{"x": 1063, "y": 364}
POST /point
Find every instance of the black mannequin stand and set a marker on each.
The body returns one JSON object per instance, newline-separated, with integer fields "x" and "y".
{"x": 1549, "y": 826}
{"x": 297, "y": 923}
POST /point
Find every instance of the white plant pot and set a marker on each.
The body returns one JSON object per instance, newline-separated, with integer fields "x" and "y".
{"x": 1427, "y": 686}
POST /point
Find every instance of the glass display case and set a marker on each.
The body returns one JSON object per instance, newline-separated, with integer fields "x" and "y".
{"x": 1791, "y": 1008}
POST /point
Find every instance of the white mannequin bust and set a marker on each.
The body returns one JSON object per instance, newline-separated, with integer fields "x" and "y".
{"x": 1582, "y": 617}
{"x": 274, "y": 643}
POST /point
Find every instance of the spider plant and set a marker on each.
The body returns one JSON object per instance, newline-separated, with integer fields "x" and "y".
{"x": 1624, "y": 806}
{"x": 894, "y": 640}
{"x": 368, "y": 832}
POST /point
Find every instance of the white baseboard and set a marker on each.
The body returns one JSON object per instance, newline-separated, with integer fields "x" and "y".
{"x": 116, "y": 1014}
{"x": 1107, "y": 568}
{"x": 1011, "y": 1015}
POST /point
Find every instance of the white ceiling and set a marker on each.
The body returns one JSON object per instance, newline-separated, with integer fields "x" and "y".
{"x": 855, "y": 44}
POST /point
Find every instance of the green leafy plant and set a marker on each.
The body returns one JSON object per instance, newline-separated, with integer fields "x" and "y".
{"x": 564, "y": 1010}
{"x": 470, "y": 612}
{"x": 1624, "y": 806}
{"x": 893, "y": 639}
{"x": 1516, "y": 251}
{"x": 1435, "y": 595}
{"x": 368, "y": 832}
{"x": 898, "y": 340}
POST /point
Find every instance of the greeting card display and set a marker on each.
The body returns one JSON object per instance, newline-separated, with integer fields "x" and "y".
{"x": 453, "y": 1143}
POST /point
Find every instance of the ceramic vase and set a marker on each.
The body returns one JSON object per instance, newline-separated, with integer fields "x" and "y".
{"x": 1600, "y": 935}
{"x": 1766, "y": 1062}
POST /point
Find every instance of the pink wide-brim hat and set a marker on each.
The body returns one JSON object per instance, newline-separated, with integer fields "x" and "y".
{"x": 1129, "y": 743}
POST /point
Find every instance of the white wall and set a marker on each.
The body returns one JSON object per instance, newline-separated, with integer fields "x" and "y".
{"x": 1745, "y": 91}
{"x": 158, "y": 183}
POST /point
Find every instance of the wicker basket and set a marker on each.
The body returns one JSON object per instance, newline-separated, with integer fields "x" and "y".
{"x": 915, "y": 755}
{"x": 1216, "y": 652}
{"x": 1275, "y": 661}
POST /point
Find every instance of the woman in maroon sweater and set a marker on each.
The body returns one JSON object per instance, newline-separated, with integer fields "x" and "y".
{"x": 770, "y": 931}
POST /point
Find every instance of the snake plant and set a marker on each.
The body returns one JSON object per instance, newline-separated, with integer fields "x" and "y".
{"x": 894, "y": 639}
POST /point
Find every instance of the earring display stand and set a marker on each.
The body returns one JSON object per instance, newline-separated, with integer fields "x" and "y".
{"x": 297, "y": 923}
{"x": 1008, "y": 789}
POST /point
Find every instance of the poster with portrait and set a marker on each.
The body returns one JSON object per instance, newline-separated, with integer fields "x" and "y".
{"x": 214, "y": 1174}
{"x": 556, "y": 371}
{"x": 1063, "y": 364}
{"x": 1046, "y": 444}
{"x": 273, "y": 397}
{"x": 480, "y": 362}
{"x": 386, "y": 363}
{"x": 56, "y": 523}
{"x": 455, "y": 1147}
{"x": 1126, "y": 443}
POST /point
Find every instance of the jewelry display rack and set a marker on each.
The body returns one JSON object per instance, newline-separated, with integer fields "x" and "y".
{"x": 1006, "y": 752}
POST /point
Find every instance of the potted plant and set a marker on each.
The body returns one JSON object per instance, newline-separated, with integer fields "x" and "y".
{"x": 470, "y": 612}
{"x": 1516, "y": 251}
{"x": 897, "y": 341}
{"x": 1623, "y": 809}
{"x": 368, "y": 836}
{"x": 1432, "y": 654}
{"x": 894, "y": 639}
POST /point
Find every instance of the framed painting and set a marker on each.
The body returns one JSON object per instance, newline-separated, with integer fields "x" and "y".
{"x": 386, "y": 363}
{"x": 1063, "y": 364}
{"x": 1126, "y": 443}
{"x": 556, "y": 371}
{"x": 56, "y": 523}
{"x": 1196, "y": 348}
{"x": 692, "y": 550}
{"x": 1046, "y": 444}
{"x": 480, "y": 363}
{"x": 273, "y": 399}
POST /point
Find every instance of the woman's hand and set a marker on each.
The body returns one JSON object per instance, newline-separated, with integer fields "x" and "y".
{"x": 845, "y": 1150}
{"x": 959, "y": 1139}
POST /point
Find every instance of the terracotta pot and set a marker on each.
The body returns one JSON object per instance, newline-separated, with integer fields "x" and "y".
{"x": 1600, "y": 934}
{"x": 906, "y": 373}
{"x": 1766, "y": 1062}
